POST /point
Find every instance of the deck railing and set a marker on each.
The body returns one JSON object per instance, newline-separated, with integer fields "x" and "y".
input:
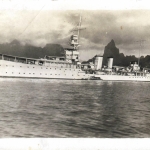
{"x": 41, "y": 62}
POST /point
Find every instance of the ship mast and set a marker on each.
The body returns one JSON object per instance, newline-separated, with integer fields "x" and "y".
{"x": 140, "y": 41}
{"x": 75, "y": 38}
{"x": 79, "y": 27}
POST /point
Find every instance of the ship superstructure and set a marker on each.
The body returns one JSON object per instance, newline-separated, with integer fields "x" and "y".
{"x": 67, "y": 67}
{"x": 117, "y": 73}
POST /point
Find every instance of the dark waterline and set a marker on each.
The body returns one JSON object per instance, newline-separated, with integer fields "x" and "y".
{"x": 69, "y": 108}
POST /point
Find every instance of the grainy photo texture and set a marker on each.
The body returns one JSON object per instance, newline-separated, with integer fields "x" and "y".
{"x": 74, "y": 73}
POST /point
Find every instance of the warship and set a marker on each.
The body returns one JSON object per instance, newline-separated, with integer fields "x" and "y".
{"x": 117, "y": 73}
{"x": 49, "y": 67}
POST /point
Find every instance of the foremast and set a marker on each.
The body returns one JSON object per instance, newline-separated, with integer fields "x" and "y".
{"x": 72, "y": 54}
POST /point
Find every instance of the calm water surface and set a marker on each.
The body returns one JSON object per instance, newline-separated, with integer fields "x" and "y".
{"x": 66, "y": 108}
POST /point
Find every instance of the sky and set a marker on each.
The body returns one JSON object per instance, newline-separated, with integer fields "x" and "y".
{"x": 39, "y": 22}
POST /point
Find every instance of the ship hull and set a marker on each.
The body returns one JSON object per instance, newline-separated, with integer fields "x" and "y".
{"x": 9, "y": 69}
{"x": 123, "y": 78}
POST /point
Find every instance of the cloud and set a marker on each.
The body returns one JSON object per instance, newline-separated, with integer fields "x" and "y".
{"x": 39, "y": 27}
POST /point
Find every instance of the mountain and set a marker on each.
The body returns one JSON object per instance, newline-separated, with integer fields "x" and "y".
{"x": 120, "y": 59}
{"x": 111, "y": 51}
{"x": 15, "y": 48}
{"x": 145, "y": 61}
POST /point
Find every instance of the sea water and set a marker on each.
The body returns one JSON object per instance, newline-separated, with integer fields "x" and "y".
{"x": 74, "y": 108}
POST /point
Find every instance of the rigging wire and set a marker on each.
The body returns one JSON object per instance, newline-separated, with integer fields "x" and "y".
{"x": 32, "y": 20}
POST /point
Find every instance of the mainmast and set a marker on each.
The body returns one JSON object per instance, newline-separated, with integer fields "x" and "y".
{"x": 140, "y": 41}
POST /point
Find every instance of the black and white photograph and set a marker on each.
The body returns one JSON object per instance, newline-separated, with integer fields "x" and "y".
{"x": 74, "y": 70}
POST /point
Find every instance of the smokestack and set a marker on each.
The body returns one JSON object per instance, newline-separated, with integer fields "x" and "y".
{"x": 98, "y": 62}
{"x": 110, "y": 62}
